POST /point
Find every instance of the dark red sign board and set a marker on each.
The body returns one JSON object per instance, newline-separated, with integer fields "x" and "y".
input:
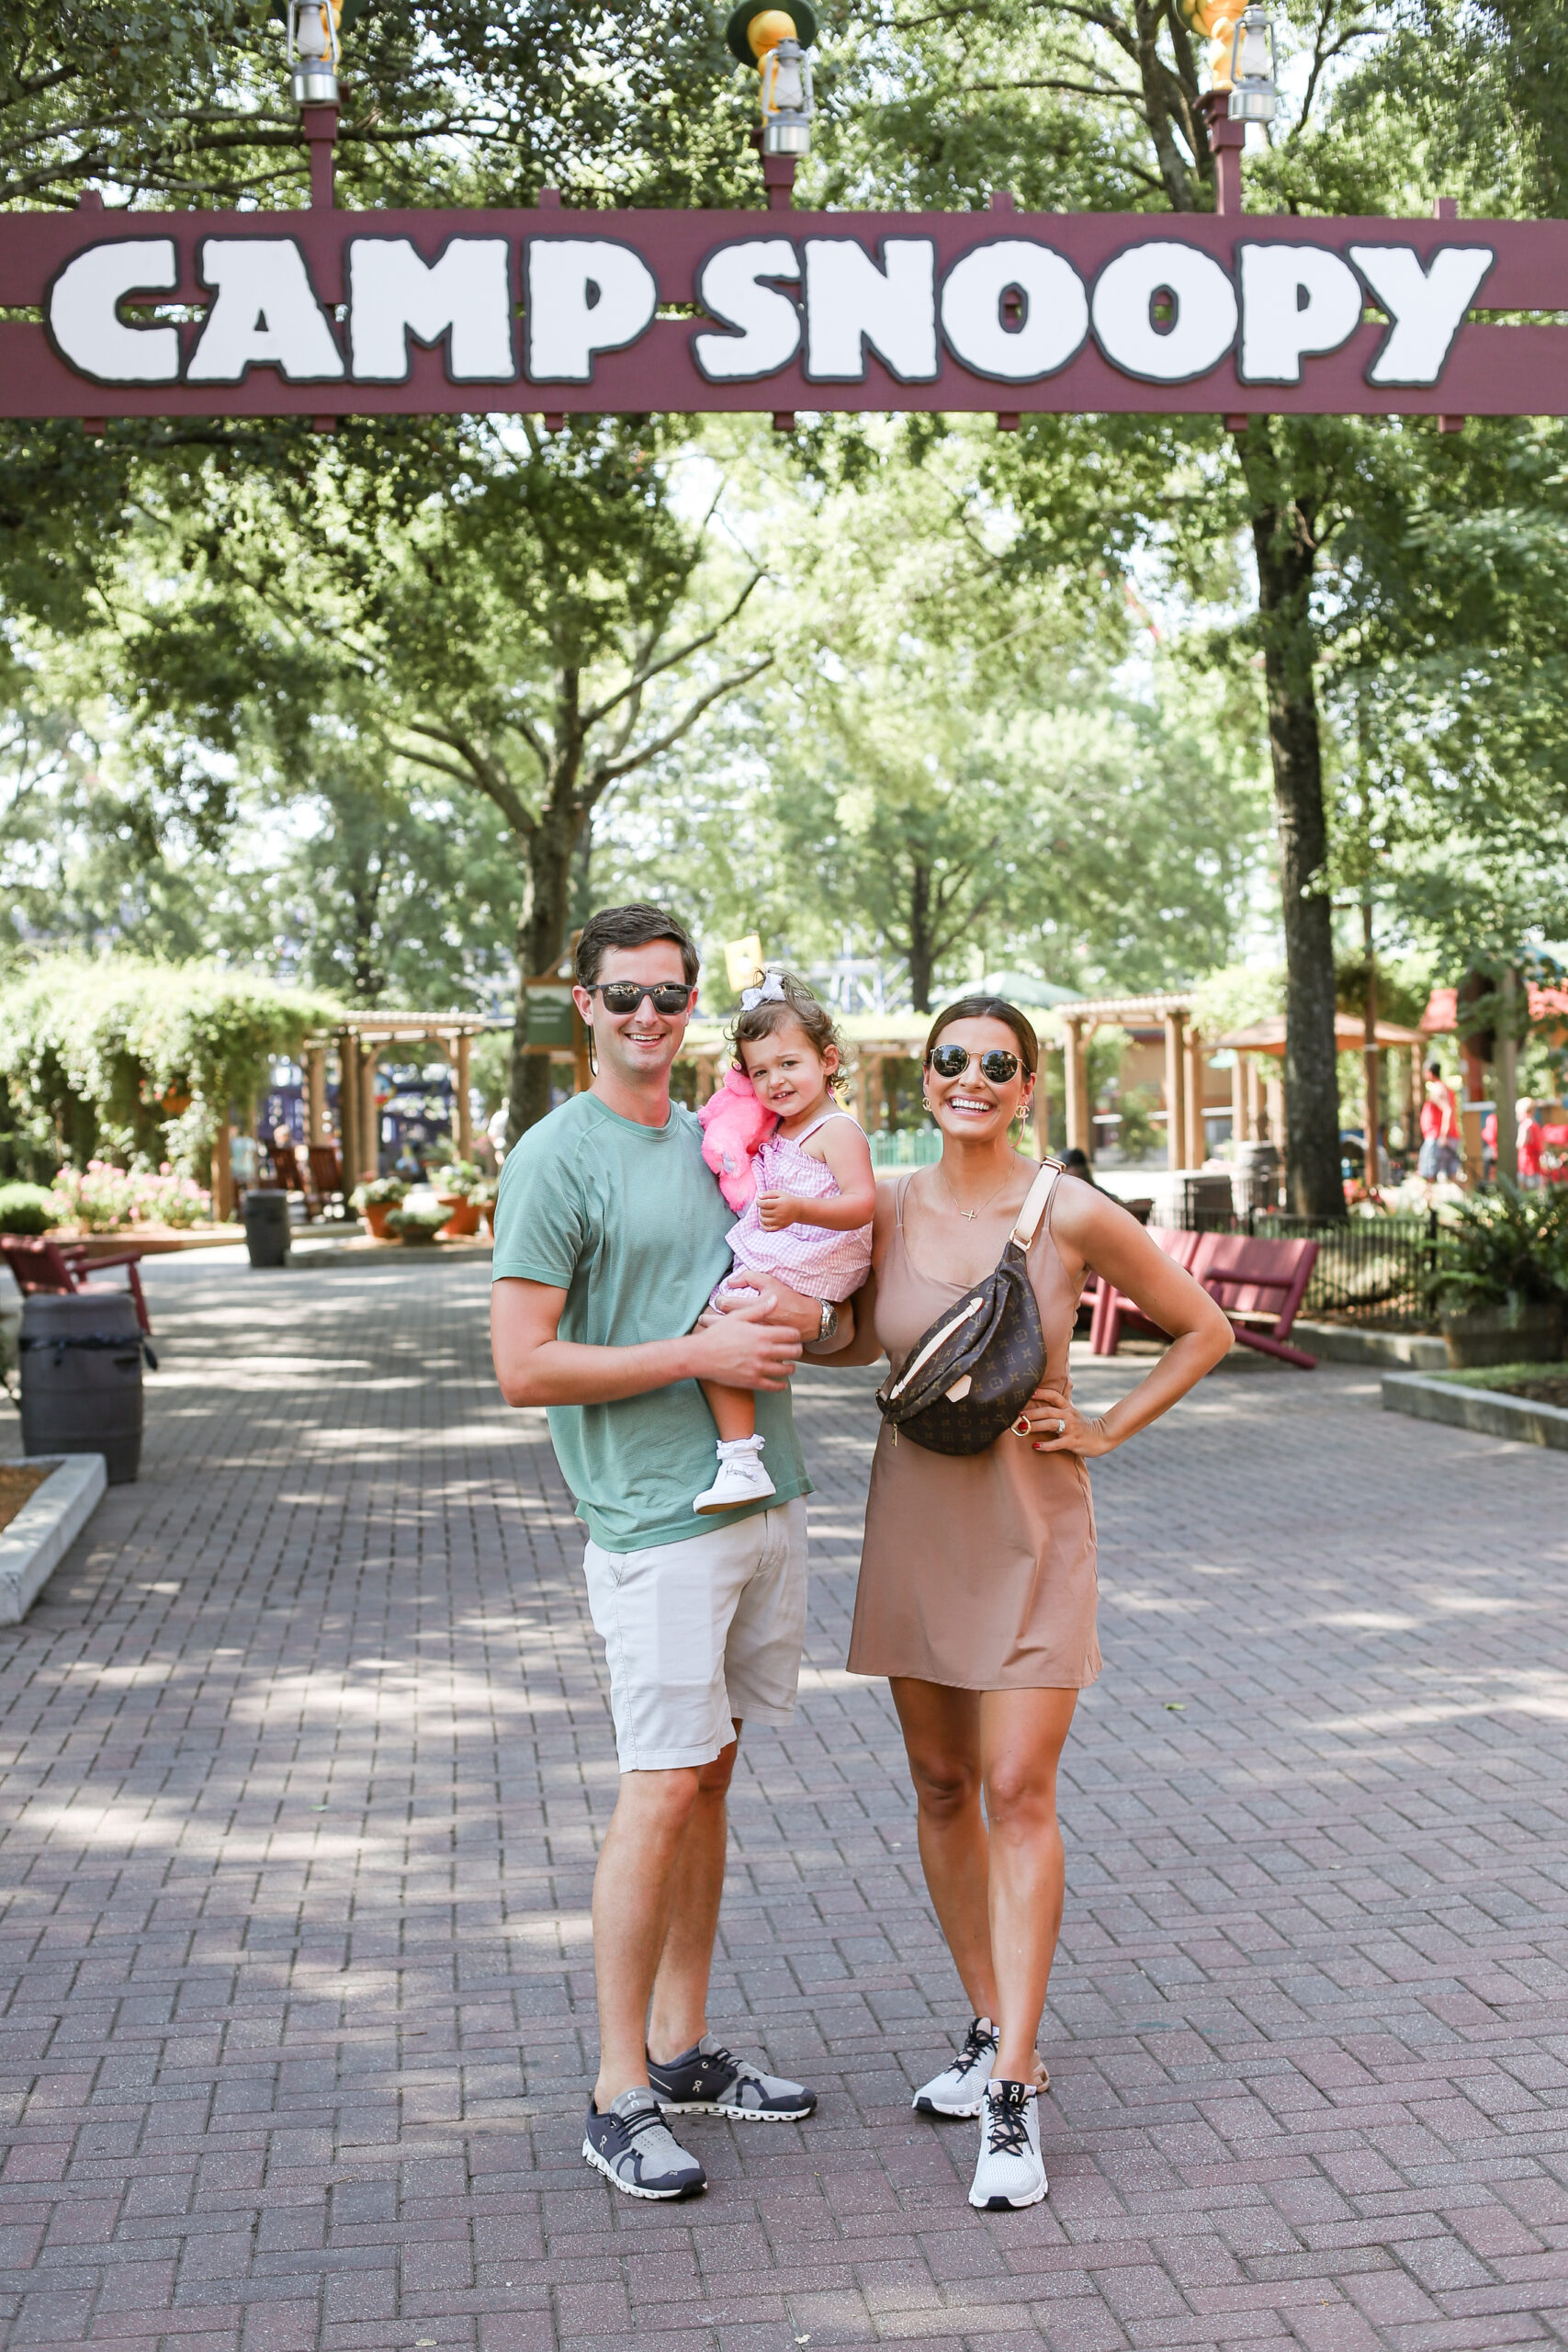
{"x": 330, "y": 313}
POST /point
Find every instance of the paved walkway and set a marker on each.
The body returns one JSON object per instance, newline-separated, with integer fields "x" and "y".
{"x": 306, "y": 1754}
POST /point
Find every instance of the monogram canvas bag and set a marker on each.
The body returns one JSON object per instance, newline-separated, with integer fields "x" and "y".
{"x": 971, "y": 1373}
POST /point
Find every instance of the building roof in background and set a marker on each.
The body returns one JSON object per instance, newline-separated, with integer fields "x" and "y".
{"x": 1350, "y": 1036}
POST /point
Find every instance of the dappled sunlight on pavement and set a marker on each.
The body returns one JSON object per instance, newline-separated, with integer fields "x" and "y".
{"x": 308, "y": 1754}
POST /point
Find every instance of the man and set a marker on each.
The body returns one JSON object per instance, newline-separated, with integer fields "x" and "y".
{"x": 609, "y": 1236}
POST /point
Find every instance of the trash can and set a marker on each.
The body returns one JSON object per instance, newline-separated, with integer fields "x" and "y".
{"x": 266, "y": 1228}
{"x": 81, "y": 1366}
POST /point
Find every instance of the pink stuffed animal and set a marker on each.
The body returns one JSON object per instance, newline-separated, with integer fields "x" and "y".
{"x": 734, "y": 1127}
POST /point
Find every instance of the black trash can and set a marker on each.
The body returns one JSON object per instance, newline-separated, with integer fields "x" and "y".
{"x": 81, "y": 1366}
{"x": 266, "y": 1228}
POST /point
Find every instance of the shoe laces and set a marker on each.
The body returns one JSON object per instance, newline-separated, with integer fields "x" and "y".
{"x": 976, "y": 2045}
{"x": 645, "y": 2119}
{"x": 1006, "y": 2131}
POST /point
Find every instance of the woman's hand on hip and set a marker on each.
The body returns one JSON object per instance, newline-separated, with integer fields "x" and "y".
{"x": 1054, "y": 1425}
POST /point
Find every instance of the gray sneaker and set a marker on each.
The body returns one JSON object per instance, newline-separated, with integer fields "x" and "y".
{"x": 959, "y": 2089}
{"x": 706, "y": 2080}
{"x": 635, "y": 2149}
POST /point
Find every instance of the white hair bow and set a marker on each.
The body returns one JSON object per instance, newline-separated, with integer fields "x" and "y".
{"x": 771, "y": 992}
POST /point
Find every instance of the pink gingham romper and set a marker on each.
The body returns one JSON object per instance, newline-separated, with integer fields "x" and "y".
{"x": 810, "y": 1258}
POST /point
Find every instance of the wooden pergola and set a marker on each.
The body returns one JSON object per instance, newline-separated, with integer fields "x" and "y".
{"x": 359, "y": 1040}
{"x": 1171, "y": 1011}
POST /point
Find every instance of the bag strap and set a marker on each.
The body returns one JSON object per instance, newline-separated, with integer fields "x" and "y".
{"x": 1037, "y": 1199}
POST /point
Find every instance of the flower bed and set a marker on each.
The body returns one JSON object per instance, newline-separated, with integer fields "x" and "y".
{"x": 101, "y": 1198}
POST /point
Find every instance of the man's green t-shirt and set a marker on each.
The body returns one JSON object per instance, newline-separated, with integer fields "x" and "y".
{"x": 630, "y": 1223}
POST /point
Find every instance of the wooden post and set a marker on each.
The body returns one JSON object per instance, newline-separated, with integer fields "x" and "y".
{"x": 369, "y": 1126}
{"x": 1274, "y": 1101}
{"x": 1175, "y": 1107}
{"x": 1254, "y": 1081}
{"x": 1506, "y": 1069}
{"x": 1196, "y": 1146}
{"x": 1072, "y": 1082}
{"x": 223, "y": 1173}
{"x": 1371, "y": 1125}
{"x": 348, "y": 1106}
{"x": 1041, "y": 1111}
{"x": 316, "y": 1095}
{"x": 465, "y": 1109}
{"x": 1238, "y": 1102}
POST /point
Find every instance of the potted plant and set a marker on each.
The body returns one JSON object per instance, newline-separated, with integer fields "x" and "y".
{"x": 483, "y": 1198}
{"x": 416, "y": 1226}
{"x": 377, "y": 1201}
{"x": 455, "y": 1187}
{"x": 1500, "y": 1281}
{"x": 28, "y": 1210}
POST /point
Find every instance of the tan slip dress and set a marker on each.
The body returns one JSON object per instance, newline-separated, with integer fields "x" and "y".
{"x": 978, "y": 1570}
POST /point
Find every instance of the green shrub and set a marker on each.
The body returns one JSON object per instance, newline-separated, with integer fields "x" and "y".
{"x": 28, "y": 1208}
{"x": 1503, "y": 1247}
{"x": 416, "y": 1225}
{"x": 384, "y": 1188}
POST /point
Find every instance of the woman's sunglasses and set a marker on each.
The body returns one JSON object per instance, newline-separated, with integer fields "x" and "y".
{"x": 625, "y": 996}
{"x": 952, "y": 1061}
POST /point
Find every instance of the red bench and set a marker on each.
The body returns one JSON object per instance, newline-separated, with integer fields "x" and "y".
{"x": 1260, "y": 1283}
{"x": 1115, "y": 1316}
{"x": 59, "y": 1268}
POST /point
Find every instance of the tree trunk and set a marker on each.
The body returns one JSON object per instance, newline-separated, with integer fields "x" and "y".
{"x": 922, "y": 954}
{"x": 1286, "y": 550}
{"x": 543, "y": 928}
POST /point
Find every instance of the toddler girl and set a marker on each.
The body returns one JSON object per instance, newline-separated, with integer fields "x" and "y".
{"x": 808, "y": 1194}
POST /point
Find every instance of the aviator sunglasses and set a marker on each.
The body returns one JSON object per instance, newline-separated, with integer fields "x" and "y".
{"x": 952, "y": 1061}
{"x": 625, "y": 996}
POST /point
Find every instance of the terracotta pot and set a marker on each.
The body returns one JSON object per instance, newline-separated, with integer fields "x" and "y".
{"x": 489, "y": 1218}
{"x": 465, "y": 1216}
{"x": 376, "y": 1216}
{"x": 1524, "y": 1333}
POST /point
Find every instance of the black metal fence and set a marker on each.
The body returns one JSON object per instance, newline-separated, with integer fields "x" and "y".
{"x": 1369, "y": 1270}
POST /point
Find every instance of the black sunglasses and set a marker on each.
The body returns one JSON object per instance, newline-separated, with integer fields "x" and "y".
{"x": 952, "y": 1061}
{"x": 625, "y": 996}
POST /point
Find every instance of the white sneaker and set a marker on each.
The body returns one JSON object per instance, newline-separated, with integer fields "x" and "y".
{"x": 960, "y": 2087}
{"x": 741, "y": 1477}
{"x": 1010, "y": 2171}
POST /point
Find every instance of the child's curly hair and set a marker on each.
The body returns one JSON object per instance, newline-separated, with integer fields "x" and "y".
{"x": 798, "y": 1004}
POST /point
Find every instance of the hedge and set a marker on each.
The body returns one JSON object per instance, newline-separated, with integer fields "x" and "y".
{"x": 123, "y": 1058}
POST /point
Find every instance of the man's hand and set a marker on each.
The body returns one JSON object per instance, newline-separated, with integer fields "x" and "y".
{"x": 801, "y": 1312}
{"x": 776, "y": 1210}
{"x": 746, "y": 1347}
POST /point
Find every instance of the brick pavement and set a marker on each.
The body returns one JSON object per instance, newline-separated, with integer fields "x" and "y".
{"x": 306, "y": 1754}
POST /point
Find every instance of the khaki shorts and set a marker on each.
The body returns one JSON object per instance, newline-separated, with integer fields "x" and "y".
{"x": 701, "y": 1633}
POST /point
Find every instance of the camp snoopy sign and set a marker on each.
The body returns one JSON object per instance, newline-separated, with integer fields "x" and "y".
{"x": 331, "y": 314}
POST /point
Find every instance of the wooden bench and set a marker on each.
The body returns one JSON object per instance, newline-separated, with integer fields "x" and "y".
{"x": 61, "y": 1268}
{"x": 1115, "y": 1316}
{"x": 1260, "y": 1283}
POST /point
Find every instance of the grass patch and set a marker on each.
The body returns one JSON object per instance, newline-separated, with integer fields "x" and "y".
{"x": 1542, "y": 1384}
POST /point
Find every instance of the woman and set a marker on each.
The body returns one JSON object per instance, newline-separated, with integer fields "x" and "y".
{"x": 977, "y": 1586}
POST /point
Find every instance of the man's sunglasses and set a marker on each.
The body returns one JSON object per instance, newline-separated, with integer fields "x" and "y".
{"x": 952, "y": 1061}
{"x": 625, "y": 996}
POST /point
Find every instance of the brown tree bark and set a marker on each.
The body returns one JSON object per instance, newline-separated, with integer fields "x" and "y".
{"x": 1285, "y": 544}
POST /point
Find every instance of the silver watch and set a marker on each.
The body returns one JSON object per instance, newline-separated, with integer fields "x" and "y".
{"x": 829, "y": 1327}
